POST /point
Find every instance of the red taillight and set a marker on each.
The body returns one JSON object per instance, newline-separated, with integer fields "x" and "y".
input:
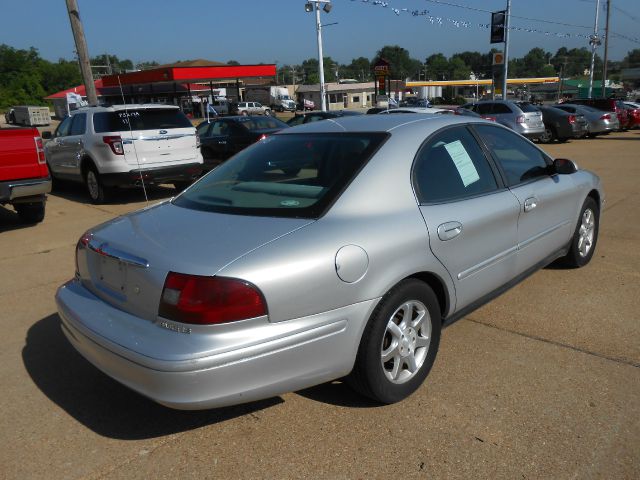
{"x": 520, "y": 119}
{"x": 262, "y": 137}
{"x": 487, "y": 117}
{"x": 572, "y": 119}
{"x": 209, "y": 300}
{"x": 115, "y": 142}
{"x": 606, "y": 116}
{"x": 40, "y": 149}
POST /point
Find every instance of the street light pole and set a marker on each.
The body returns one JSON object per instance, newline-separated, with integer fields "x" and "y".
{"x": 315, "y": 5}
{"x": 506, "y": 49}
{"x": 320, "y": 59}
{"x": 594, "y": 41}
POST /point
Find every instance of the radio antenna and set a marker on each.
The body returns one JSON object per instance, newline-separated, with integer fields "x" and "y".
{"x": 135, "y": 150}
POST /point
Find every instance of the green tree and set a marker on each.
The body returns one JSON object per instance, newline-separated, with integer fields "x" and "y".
{"x": 401, "y": 64}
{"x": 437, "y": 67}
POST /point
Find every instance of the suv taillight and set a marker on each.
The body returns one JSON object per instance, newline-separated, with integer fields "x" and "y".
{"x": 520, "y": 119}
{"x": 606, "y": 116}
{"x": 115, "y": 142}
{"x": 204, "y": 300}
{"x": 40, "y": 149}
{"x": 572, "y": 119}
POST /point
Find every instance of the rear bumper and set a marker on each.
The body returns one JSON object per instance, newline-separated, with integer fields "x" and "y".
{"x": 275, "y": 358}
{"x": 153, "y": 176}
{"x": 23, "y": 190}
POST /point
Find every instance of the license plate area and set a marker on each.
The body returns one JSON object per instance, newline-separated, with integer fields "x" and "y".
{"x": 113, "y": 274}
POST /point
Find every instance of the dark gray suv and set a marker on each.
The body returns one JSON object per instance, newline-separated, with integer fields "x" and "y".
{"x": 521, "y": 117}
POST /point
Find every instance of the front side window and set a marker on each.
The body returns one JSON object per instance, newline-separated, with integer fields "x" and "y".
{"x": 520, "y": 160}
{"x": 297, "y": 175}
{"x": 452, "y": 166}
{"x": 79, "y": 124}
{"x": 64, "y": 128}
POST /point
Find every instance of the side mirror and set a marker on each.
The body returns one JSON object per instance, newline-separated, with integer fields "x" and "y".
{"x": 46, "y": 136}
{"x": 564, "y": 166}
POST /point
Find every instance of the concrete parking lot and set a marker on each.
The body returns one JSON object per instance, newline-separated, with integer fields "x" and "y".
{"x": 543, "y": 382}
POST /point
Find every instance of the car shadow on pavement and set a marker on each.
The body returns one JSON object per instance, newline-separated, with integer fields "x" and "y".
{"x": 76, "y": 192}
{"x": 338, "y": 393}
{"x": 99, "y": 402}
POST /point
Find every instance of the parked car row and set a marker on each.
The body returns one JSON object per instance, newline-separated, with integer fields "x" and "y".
{"x": 560, "y": 122}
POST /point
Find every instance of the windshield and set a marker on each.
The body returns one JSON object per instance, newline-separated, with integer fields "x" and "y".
{"x": 284, "y": 175}
{"x": 140, "y": 119}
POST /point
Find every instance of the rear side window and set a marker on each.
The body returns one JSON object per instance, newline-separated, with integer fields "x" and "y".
{"x": 527, "y": 107}
{"x": 520, "y": 160}
{"x": 258, "y": 123}
{"x": 501, "y": 108}
{"x": 141, "y": 119}
{"x": 484, "y": 108}
{"x": 452, "y": 166}
{"x": 284, "y": 175}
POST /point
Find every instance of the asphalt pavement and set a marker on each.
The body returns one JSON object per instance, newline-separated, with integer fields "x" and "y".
{"x": 543, "y": 382}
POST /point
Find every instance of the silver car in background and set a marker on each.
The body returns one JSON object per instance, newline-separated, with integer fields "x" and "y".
{"x": 598, "y": 122}
{"x": 521, "y": 117}
{"x": 336, "y": 249}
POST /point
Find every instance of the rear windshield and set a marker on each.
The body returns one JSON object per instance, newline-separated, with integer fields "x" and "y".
{"x": 527, "y": 107}
{"x": 284, "y": 175}
{"x": 256, "y": 124}
{"x": 142, "y": 119}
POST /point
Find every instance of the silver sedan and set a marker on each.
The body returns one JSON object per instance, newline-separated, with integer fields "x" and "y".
{"x": 336, "y": 249}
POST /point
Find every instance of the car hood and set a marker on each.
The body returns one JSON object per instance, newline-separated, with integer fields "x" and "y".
{"x": 175, "y": 238}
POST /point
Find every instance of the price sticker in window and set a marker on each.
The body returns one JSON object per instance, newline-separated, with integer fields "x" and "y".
{"x": 464, "y": 164}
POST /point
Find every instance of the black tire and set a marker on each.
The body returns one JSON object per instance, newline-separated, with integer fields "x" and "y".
{"x": 97, "y": 191}
{"x": 267, "y": 112}
{"x": 244, "y": 113}
{"x": 548, "y": 136}
{"x": 577, "y": 256}
{"x": 30, "y": 213}
{"x": 370, "y": 376}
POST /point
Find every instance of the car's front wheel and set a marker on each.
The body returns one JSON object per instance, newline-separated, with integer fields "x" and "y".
{"x": 585, "y": 237}
{"x": 548, "y": 136}
{"x": 399, "y": 344}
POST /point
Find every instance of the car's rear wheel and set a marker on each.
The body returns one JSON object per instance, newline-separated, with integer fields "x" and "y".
{"x": 267, "y": 112}
{"x": 30, "y": 212}
{"x": 399, "y": 344}
{"x": 97, "y": 191}
{"x": 585, "y": 237}
{"x": 548, "y": 136}
{"x": 244, "y": 113}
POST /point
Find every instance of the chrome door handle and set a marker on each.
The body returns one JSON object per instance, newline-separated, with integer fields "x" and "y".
{"x": 449, "y": 230}
{"x": 530, "y": 204}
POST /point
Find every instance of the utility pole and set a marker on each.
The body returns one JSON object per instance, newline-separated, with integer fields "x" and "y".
{"x": 606, "y": 51}
{"x": 323, "y": 102}
{"x": 594, "y": 41}
{"x": 506, "y": 49}
{"x": 83, "y": 51}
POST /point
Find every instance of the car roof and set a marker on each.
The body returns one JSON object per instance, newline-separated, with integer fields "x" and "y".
{"x": 383, "y": 123}
{"x": 422, "y": 110}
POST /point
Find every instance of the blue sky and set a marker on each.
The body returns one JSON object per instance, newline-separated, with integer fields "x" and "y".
{"x": 253, "y": 31}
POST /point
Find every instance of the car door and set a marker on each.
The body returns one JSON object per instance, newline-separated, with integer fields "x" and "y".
{"x": 215, "y": 140}
{"x": 546, "y": 202}
{"x": 54, "y": 149}
{"x": 471, "y": 217}
{"x": 74, "y": 145}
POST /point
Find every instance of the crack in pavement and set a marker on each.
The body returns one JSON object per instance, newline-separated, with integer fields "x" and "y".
{"x": 557, "y": 344}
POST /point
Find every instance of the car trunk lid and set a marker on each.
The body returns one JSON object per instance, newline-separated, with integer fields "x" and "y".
{"x": 125, "y": 262}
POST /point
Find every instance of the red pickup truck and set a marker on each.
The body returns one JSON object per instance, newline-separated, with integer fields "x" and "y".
{"x": 24, "y": 176}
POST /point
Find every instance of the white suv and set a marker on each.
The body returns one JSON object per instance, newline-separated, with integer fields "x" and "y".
{"x": 122, "y": 145}
{"x": 252, "y": 108}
